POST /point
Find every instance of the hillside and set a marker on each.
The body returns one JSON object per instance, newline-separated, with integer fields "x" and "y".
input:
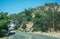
{"x": 45, "y": 18}
{"x": 50, "y": 5}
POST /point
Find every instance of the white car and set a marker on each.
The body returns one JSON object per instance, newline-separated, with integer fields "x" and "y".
{"x": 11, "y": 32}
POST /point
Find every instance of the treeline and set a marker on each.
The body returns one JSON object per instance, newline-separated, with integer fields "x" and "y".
{"x": 45, "y": 18}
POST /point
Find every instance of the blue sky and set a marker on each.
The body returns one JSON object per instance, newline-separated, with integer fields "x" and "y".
{"x": 16, "y": 6}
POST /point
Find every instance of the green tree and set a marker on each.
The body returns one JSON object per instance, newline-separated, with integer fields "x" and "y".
{"x": 4, "y": 20}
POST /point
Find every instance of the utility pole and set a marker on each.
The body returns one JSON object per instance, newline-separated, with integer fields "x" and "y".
{"x": 53, "y": 21}
{"x": 53, "y": 24}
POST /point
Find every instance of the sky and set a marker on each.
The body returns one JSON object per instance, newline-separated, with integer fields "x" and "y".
{"x": 16, "y": 6}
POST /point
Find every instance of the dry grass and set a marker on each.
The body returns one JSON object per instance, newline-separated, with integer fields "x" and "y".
{"x": 49, "y": 33}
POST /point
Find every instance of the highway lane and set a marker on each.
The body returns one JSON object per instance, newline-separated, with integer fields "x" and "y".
{"x": 23, "y": 35}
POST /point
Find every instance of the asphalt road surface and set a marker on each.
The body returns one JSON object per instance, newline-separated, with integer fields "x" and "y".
{"x": 23, "y": 35}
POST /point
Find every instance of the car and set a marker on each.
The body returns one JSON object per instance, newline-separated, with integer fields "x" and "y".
{"x": 11, "y": 32}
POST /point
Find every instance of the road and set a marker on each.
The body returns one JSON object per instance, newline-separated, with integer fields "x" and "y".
{"x": 23, "y": 35}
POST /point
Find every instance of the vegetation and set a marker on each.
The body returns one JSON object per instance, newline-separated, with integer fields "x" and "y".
{"x": 4, "y": 20}
{"x": 45, "y": 18}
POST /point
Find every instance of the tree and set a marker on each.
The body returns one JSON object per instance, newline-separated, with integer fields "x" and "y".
{"x": 4, "y": 20}
{"x": 40, "y": 20}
